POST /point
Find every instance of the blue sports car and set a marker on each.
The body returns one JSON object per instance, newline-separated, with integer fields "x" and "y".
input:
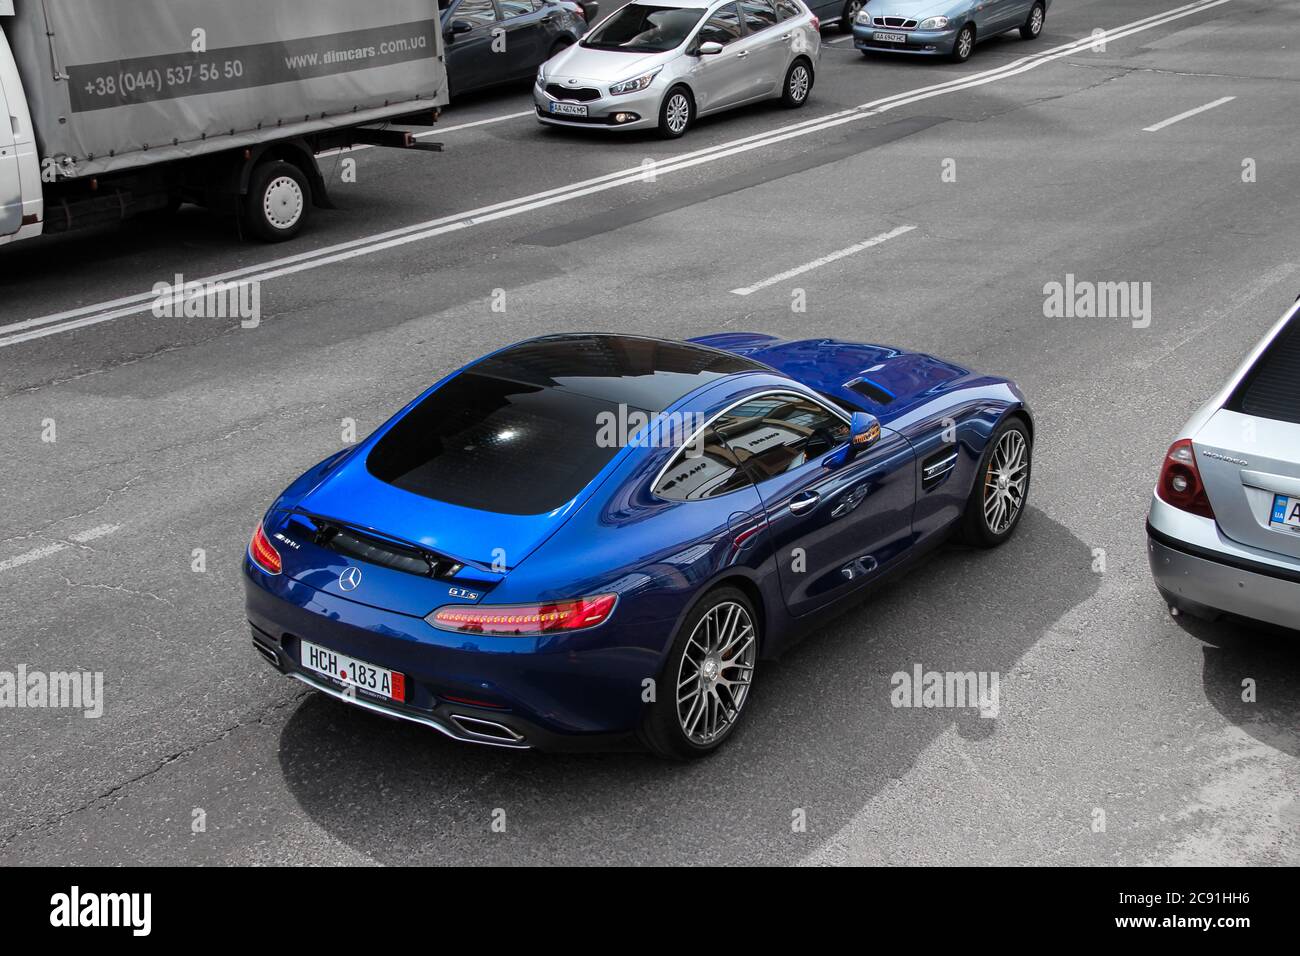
{"x": 585, "y": 541}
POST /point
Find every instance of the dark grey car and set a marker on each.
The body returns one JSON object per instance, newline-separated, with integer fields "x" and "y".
{"x": 491, "y": 42}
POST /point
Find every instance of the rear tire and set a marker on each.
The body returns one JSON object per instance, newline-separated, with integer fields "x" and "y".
{"x": 278, "y": 201}
{"x": 700, "y": 696}
{"x": 1001, "y": 487}
{"x": 1033, "y": 26}
{"x": 677, "y": 113}
{"x": 851, "y": 9}
{"x": 798, "y": 84}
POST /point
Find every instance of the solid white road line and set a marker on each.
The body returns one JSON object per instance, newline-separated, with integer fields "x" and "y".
{"x": 81, "y": 537}
{"x": 1182, "y": 116}
{"x": 81, "y": 317}
{"x": 824, "y": 260}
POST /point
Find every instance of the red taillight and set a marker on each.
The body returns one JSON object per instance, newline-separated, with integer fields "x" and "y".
{"x": 519, "y": 620}
{"x": 263, "y": 555}
{"x": 1180, "y": 480}
{"x": 817, "y": 23}
{"x": 399, "y": 687}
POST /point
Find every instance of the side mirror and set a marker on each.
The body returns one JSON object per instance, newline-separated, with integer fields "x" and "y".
{"x": 711, "y": 48}
{"x": 461, "y": 26}
{"x": 864, "y": 431}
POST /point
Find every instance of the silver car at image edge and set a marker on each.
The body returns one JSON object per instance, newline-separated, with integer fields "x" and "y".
{"x": 1223, "y": 532}
{"x": 660, "y": 64}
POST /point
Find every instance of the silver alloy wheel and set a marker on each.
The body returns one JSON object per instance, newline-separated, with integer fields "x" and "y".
{"x": 714, "y": 675}
{"x": 283, "y": 202}
{"x": 965, "y": 41}
{"x": 1036, "y": 20}
{"x": 851, "y": 11}
{"x": 1004, "y": 482}
{"x": 799, "y": 83}
{"x": 678, "y": 112}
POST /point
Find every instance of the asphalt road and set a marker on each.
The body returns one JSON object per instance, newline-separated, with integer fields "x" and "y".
{"x": 174, "y": 434}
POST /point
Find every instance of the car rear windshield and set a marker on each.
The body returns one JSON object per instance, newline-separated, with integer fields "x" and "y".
{"x": 497, "y": 445}
{"x": 641, "y": 28}
{"x": 1271, "y": 389}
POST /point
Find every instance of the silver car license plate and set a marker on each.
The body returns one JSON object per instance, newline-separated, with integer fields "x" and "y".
{"x": 1286, "y": 513}
{"x": 889, "y": 37}
{"x": 569, "y": 109}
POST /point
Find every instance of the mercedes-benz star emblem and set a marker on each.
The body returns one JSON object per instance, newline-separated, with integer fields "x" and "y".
{"x": 349, "y": 579}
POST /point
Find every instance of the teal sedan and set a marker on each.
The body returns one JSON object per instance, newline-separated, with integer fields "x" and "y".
{"x": 937, "y": 28}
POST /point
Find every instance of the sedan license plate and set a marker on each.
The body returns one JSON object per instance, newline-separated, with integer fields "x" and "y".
{"x": 1286, "y": 513}
{"x": 889, "y": 37}
{"x": 378, "y": 681}
{"x": 569, "y": 109}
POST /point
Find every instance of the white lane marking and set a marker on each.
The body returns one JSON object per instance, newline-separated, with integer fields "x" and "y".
{"x": 91, "y": 534}
{"x": 824, "y": 260}
{"x": 1182, "y": 116}
{"x": 30, "y": 556}
{"x": 437, "y": 131}
{"x": 81, "y": 537}
{"x": 83, "y": 316}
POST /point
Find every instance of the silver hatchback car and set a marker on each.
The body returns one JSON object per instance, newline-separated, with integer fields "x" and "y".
{"x": 1223, "y": 532}
{"x": 662, "y": 63}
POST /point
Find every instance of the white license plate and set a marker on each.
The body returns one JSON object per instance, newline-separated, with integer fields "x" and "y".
{"x": 569, "y": 109}
{"x": 378, "y": 681}
{"x": 1286, "y": 513}
{"x": 889, "y": 37}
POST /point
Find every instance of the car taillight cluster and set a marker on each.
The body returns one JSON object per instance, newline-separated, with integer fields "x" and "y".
{"x": 521, "y": 620}
{"x": 1180, "y": 481}
{"x": 263, "y": 554}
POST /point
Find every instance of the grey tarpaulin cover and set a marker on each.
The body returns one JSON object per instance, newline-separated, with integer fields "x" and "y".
{"x": 119, "y": 83}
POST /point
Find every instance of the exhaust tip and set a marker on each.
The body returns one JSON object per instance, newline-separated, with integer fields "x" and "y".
{"x": 486, "y": 729}
{"x": 270, "y": 653}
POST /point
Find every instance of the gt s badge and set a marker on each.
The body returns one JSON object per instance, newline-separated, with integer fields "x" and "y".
{"x": 462, "y": 593}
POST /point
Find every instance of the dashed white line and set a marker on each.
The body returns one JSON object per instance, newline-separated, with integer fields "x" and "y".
{"x": 36, "y": 554}
{"x": 1182, "y": 116}
{"x": 824, "y": 260}
{"x": 83, "y": 316}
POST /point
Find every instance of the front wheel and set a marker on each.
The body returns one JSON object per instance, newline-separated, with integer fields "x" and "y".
{"x": 1030, "y": 29}
{"x": 706, "y": 679}
{"x": 278, "y": 201}
{"x": 997, "y": 500}
{"x": 676, "y": 114}
{"x": 798, "y": 84}
{"x": 964, "y": 45}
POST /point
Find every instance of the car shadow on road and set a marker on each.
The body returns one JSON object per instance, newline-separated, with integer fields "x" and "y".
{"x": 1241, "y": 658}
{"x": 820, "y": 736}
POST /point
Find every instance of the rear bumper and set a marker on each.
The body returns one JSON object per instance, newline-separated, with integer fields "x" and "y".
{"x": 579, "y": 691}
{"x": 1193, "y": 579}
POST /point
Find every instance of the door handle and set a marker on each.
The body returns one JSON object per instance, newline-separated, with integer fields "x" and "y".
{"x": 742, "y": 54}
{"x": 805, "y": 501}
{"x": 786, "y": 36}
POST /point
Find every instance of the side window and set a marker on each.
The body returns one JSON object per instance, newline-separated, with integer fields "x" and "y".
{"x": 722, "y": 27}
{"x": 477, "y": 12}
{"x": 773, "y": 434}
{"x": 788, "y": 9}
{"x": 515, "y": 8}
{"x": 705, "y": 468}
{"x": 758, "y": 14}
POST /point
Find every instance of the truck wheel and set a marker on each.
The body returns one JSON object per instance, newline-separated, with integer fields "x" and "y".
{"x": 278, "y": 201}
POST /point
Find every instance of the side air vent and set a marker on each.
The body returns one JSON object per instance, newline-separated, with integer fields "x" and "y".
{"x": 937, "y": 467}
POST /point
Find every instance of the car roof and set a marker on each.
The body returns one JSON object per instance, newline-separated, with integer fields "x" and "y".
{"x": 638, "y": 371}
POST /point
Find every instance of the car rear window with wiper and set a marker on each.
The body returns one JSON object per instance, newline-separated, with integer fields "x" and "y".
{"x": 1271, "y": 389}
{"x": 497, "y": 445}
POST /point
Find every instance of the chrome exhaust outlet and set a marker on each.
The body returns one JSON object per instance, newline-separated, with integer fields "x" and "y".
{"x": 481, "y": 729}
{"x": 270, "y": 653}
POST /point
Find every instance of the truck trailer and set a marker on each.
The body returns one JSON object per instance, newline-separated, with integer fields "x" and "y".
{"x": 112, "y": 108}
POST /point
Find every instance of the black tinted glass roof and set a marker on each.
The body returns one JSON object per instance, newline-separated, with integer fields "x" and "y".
{"x": 638, "y": 372}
